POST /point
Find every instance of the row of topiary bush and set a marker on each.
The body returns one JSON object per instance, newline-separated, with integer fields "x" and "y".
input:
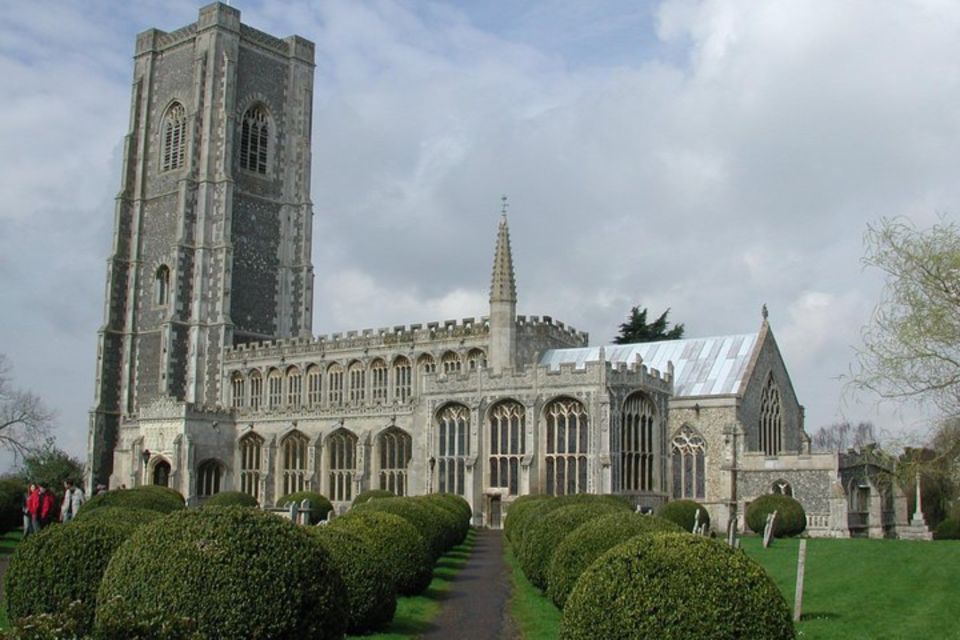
{"x": 136, "y": 564}
{"x": 616, "y": 573}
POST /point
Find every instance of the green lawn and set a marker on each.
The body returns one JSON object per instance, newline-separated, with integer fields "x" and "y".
{"x": 854, "y": 589}
{"x": 415, "y": 613}
{"x": 869, "y": 589}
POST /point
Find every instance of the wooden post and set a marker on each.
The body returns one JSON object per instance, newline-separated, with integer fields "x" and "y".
{"x": 798, "y": 597}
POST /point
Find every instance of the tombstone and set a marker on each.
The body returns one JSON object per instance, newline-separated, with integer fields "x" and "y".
{"x": 732, "y": 532}
{"x": 768, "y": 529}
{"x": 696, "y": 522}
{"x": 305, "y": 512}
{"x": 292, "y": 511}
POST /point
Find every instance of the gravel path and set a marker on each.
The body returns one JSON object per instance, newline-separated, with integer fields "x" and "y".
{"x": 476, "y": 607}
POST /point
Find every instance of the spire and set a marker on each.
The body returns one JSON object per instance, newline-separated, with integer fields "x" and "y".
{"x": 503, "y": 287}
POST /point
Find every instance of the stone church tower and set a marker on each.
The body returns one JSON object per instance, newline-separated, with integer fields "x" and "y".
{"x": 211, "y": 244}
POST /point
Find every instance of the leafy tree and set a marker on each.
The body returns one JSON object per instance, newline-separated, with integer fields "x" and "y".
{"x": 50, "y": 466}
{"x": 24, "y": 420}
{"x": 843, "y": 435}
{"x": 911, "y": 348}
{"x": 637, "y": 329}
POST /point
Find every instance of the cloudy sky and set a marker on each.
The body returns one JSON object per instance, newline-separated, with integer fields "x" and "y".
{"x": 704, "y": 156}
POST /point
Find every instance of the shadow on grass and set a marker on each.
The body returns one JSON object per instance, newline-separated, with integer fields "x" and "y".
{"x": 819, "y": 615}
{"x": 415, "y": 614}
{"x": 9, "y": 542}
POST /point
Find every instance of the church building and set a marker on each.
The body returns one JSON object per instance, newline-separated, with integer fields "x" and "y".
{"x": 209, "y": 376}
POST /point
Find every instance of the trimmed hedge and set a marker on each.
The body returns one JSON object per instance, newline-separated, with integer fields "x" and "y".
{"x": 684, "y": 513}
{"x": 791, "y": 518}
{"x": 453, "y": 528}
{"x": 149, "y": 497}
{"x": 456, "y": 519}
{"x": 395, "y": 544}
{"x": 320, "y": 506}
{"x": 231, "y": 499}
{"x": 12, "y": 493}
{"x": 675, "y": 586}
{"x": 540, "y": 508}
{"x": 370, "y": 494}
{"x": 949, "y": 529}
{"x": 591, "y": 540}
{"x": 371, "y": 599}
{"x": 543, "y": 536}
{"x": 63, "y": 564}
{"x": 419, "y": 515}
{"x": 458, "y": 502}
{"x": 119, "y": 514}
{"x": 236, "y": 572}
{"x": 517, "y": 512}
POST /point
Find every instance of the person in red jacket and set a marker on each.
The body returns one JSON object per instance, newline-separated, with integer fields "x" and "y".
{"x": 47, "y": 506}
{"x": 40, "y": 506}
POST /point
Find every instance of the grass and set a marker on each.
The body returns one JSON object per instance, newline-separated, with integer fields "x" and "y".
{"x": 868, "y": 589}
{"x": 854, "y": 589}
{"x": 535, "y": 615}
{"x": 415, "y": 613}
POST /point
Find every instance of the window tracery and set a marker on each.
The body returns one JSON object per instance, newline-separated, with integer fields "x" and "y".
{"x": 254, "y": 140}
{"x": 566, "y": 447}
{"x": 251, "y": 446}
{"x": 294, "y": 467}
{"x": 342, "y": 446}
{"x": 507, "y": 445}
{"x": 208, "y": 478}
{"x": 174, "y": 142}
{"x": 689, "y": 464}
{"x": 637, "y": 444}
{"x": 771, "y": 421}
{"x": 402, "y": 379}
{"x": 453, "y": 447}
{"x": 396, "y": 448}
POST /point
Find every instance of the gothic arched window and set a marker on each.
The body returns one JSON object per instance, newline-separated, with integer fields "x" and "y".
{"x": 342, "y": 446}
{"x": 476, "y": 359}
{"x": 358, "y": 383}
{"x": 507, "y": 445}
{"x": 451, "y": 362}
{"x": 208, "y": 477}
{"x": 294, "y": 463}
{"x": 161, "y": 286}
{"x": 335, "y": 385}
{"x": 427, "y": 364}
{"x": 251, "y": 446}
{"x": 254, "y": 140}
{"x": 378, "y": 381}
{"x": 402, "y": 375}
{"x": 174, "y": 131}
{"x": 453, "y": 447}
{"x": 294, "y": 388}
{"x": 771, "y": 420}
{"x": 637, "y": 438}
{"x": 565, "y": 454}
{"x": 689, "y": 464}
{"x": 396, "y": 447}
{"x": 314, "y": 388}
{"x": 238, "y": 384}
{"x": 274, "y": 388}
{"x": 256, "y": 389}
{"x": 782, "y": 487}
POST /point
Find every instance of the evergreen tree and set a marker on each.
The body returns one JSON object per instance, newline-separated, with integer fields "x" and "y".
{"x": 636, "y": 329}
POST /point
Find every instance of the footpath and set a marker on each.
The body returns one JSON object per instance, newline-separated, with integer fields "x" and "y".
{"x": 477, "y": 605}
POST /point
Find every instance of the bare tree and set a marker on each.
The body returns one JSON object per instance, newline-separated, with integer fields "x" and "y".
{"x": 25, "y": 421}
{"x": 841, "y": 436}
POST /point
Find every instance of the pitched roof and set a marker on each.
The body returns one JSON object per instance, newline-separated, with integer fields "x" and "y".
{"x": 713, "y": 366}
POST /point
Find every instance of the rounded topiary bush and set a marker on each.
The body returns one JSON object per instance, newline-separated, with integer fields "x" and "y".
{"x": 591, "y": 540}
{"x": 149, "y": 497}
{"x": 120, "y": 514}
{"x": 458, "y": 502}
{"x": 540, "y": 508}
{"x": 370, "y": 494}
{"x": 949, "y": 529}
{"x": 417, "y": 514}
{"x": 684, "y": 513}
{"x": 459, "y": 521}
{"x": 371, "y": 598}
{"x": 236, "y": 572}
{"x": 675, "y": 586}
{"x": 320, "y": 506}
{"x": 791, "y": 518}
{"x": 517, "y": 512}
{"x": 395, "y": 544}
{"x": 453, "y": 527}
{"x": 63, "y": 564}
{"x": 543, "y": 536}
{"x": 231, "y": 499}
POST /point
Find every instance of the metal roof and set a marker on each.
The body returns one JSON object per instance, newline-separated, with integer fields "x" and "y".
{"x": 701, "y": 366}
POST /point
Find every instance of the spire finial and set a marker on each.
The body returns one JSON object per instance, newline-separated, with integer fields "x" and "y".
{"x": 503, "y": 287}
{"x": 504, "y": 205}
{"x": 764, "y": 312}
